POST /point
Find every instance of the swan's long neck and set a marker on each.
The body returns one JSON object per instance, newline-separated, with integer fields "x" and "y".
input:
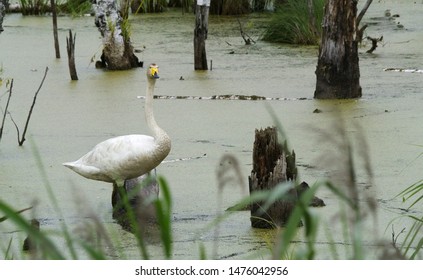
{"x": 149, "y": 116}
{"x": 160, "y": 136}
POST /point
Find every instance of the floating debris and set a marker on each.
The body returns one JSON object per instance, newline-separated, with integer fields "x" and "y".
{"x": 227, "y": 97}
{"x": 185, "y": 158}
{"x": 404, "y": 70}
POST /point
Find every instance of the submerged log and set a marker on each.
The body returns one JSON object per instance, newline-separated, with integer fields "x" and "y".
{"x": 315, "y": 202}
{"x": 272, "y": 164}
{"x": 141, "y": 193}
{"x": 374, "y": 43}
{"x": 29, "y": 244}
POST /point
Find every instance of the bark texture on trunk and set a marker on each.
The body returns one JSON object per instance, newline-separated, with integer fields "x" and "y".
{"x": 272, "y": 164}
{"x": 55, "y": 33}
{"x": 70, "y": 47}
{"x": 338, "y": 73}
{"x": 118, "y": 52}
{"x": 3, "y": 4}
{"x": 200, "y": 34}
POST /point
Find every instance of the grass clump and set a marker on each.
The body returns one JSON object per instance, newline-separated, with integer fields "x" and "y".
{"x": 412, "y": 243}
{"x": 76, "y": 7}
{"x": 296, "y": 22}
{"x": 34, "y": 7}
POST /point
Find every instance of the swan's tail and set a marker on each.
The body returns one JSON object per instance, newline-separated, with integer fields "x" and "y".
{"x": 81, "y": 168}
{"x": 70, "y": 165}
{"x": 87, "y": 171}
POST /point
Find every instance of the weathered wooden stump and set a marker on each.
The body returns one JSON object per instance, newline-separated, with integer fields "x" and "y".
{"x": 272, "y": 164}
{"x": 118, "y": 52}
{"x": 141, "y": 193}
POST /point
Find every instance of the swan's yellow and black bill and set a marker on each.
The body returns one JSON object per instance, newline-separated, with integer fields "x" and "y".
{"x": 154, "y": 71}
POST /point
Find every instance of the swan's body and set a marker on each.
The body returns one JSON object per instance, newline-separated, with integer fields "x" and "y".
{"x": 130, "y": 156}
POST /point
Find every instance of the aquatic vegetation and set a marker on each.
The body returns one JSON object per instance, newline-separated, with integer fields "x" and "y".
{"x": 413, "y": 241}
{"x": 295, "y": 22}
{"x": 148, "y": 6}
{"x": 34, "y": 7}
{"x": 75, "y": 7}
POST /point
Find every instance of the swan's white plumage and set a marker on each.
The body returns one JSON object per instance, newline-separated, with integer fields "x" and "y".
{"x": 130, "y": 156}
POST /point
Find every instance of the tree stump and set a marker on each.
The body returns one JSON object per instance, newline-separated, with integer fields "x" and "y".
{"x": 272, "y": 164}
{"x": 118, "y": 52}
{"x": 200, "y": 34}
{"x": 141, "y": 193}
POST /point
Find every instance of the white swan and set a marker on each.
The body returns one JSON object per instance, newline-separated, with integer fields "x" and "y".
{"x": 130, "y": 156}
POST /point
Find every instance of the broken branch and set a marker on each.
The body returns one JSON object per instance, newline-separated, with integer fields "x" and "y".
{"x": 363, "y": 11}
{"x": 22, "y": 140}
{"x": 245, "y": 35}
{"x": 374, "y": 43}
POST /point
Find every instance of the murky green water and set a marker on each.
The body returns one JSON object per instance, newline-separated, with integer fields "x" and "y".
{"x": 71, "y": 117}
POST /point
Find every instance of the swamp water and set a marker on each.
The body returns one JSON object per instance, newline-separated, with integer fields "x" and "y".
{"x": 69, "y": 118}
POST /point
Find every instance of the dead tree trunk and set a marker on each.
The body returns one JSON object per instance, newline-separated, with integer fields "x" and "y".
{"x": 200, "y": 34}
{"x": 338, "y": 73}
{"x": 55, "y": 34}
{"x": 2, "y": 14}
{"x": 118, "y": 52}
{"x": 70, "y": 46}
{"x": 272, "y": 164}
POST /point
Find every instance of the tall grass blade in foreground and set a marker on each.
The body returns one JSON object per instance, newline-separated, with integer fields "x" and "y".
{"x": 164, "y": 217}
{"x": 48, "y": 249}
{"x": 413, "y": 241}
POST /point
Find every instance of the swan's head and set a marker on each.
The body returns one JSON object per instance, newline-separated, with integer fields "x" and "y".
{"x": 153, "y": 71}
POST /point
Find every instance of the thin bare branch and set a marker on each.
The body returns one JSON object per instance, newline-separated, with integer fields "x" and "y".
{"x": 245, "y": 36}
{"x": 22, "y": 140}
{"x": 2, "y": 219}
{"x": 5, "y": 110}
{"x": 363, "y": 11}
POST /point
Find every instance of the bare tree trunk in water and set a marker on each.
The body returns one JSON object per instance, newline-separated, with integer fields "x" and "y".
{"x": 70, "y": 46}
{"x": 338, "y": 72}
{"x": 118, "y": 52}
{"x": 3, "y": 4}
{"x": 56, "y": 36}
{"x": 200, "y": 34}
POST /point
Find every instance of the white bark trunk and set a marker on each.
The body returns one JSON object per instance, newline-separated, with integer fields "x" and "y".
{"x": 117, "y": 52}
